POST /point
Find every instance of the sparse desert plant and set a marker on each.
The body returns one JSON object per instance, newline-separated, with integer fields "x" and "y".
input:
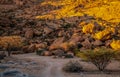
{"x": 117, "y": 55}
{"x": 99, "y": 57}
{"x": 73, "y": 66}
{"x": 9, "y": 43}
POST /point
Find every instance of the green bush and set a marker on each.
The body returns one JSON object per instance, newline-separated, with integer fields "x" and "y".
{"x": 99, "y": 57}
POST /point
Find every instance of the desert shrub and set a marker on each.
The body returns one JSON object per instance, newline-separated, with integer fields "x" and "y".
{"x": 73, "y": 66}
{"x": 10, "y": 43}
{"x": 99, "y": 57}
{"x": 117, "y": 55}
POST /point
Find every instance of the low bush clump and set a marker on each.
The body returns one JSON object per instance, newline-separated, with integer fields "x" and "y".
{"x": 73, "y": 66}
{"x": 99, "y": 57}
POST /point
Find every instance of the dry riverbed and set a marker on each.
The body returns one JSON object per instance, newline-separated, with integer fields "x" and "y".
{"x": 31, "y": 65}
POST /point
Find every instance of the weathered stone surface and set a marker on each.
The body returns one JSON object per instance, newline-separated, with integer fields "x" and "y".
{"x": 107, "y": 43}
{"x": 56, "y": 44}
{"x": 29, "y": 33}
{"x": 47, "y": 30}
{"x": 47, "y": 53}
{"x": 53, "y": 25}
{"x": 29, "y": 49}
{"x": 69, "y": 55}
{"x": 86, "y": 44}
{"x": 37, "y": 32}
{"x": 97, "y": 43}
{"x": 74, "y": 39}
{"x": 58, "y": 52}
{"x": 41, "y": 45}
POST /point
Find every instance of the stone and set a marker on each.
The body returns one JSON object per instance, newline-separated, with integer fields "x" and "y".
{"x": 66, "y": 46}
{"x": 61, "y": 33}
{"x": 29, "y": 33}
{"x": 18, "y": 2}
{"x": 41, "y": 45}
{"x": 47, "y": 30}
{"x": 58, "y": 52}
{"x": 97, "y": 43}
{"x": 107, "y": 43}
{"x": 53, "y": 25}
{"x": 25, "y": 49}
{"x": 56, "y": 44}
{"x": 72, "y": 19}
{"x": 69, "y": 55}
{"x": 37, "y": 32}
{"x": 97, "y": 26}
{"x": 29, "y": 48}
{"x": 6, "y": 1}
{"x": 47, "y": 53}
{"x": 74, "y": 39}
{"x": 87, "y": 44}
{"x": 18, "y": 32}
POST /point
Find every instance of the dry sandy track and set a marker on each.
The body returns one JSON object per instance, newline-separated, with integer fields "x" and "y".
{"x": 53, "y": 67}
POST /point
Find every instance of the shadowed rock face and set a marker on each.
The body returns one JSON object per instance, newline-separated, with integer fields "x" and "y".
{"x": 2, "y": 55}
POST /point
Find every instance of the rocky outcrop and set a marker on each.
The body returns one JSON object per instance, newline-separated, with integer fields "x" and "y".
{"x": 54, "y": 37}
{"x": 29, "y": 33}
{"x": 56, "y": 44}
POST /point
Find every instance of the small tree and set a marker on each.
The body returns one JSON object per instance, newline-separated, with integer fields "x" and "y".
{"x": 9, "y": 43}
{"x": 99, "y": 57}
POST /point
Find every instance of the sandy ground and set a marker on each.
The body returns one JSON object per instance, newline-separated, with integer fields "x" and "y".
{"x": 53, "y": 67}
